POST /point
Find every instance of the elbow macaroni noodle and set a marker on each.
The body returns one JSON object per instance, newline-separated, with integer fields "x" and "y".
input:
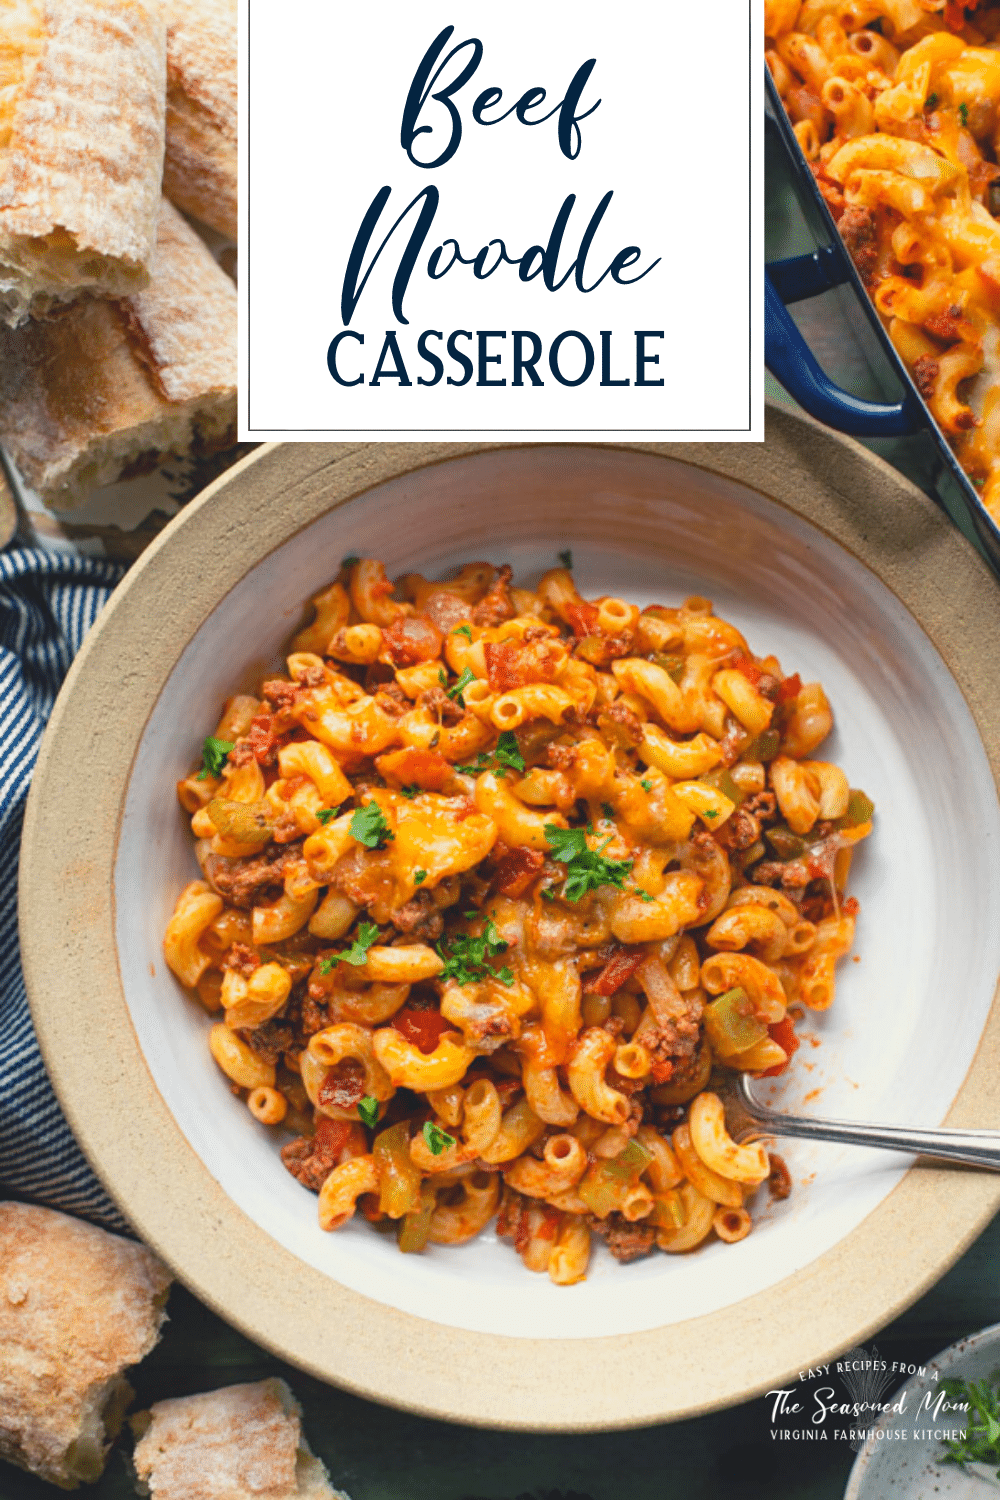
{"x": 497, "y": 886}
{"x": 895, "y": 106}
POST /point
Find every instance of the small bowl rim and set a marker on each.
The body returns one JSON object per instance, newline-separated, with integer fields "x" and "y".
{"x": 944, "y": 1361}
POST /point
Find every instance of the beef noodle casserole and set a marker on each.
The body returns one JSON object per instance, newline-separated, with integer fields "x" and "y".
{"x": 498, "y": 883}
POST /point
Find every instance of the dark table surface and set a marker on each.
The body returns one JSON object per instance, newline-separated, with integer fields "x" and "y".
{"x": 377, "y": 1454}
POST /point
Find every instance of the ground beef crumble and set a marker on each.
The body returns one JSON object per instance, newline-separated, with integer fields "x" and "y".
{"x": 791, "y": 875}
{"x": 740, "y": 831}
{"x": 242, "y": 881}
{"x": 436, "y": 701}
{"x": 420, "y": 918}
{"x": 512, "y": 1220}
{"x": 497, "y": 605}
{"x": 242, "y": 960}
{"x": 621, "y": 724}
{"x": 311, "y": 1159}
{"x": 761, "y": 805}
{"x": 926, "y": 370}
{"x": 282, "y": 694}
{"x": 625, "y": 1241}
{"x": 859, "y": 232}
{"x": 270, "y": 1040}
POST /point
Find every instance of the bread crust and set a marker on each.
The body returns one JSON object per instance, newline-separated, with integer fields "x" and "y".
{"x": 239, "y": 1442}
{"x": 199, "y": 171}
{"x": 80, "y": 176}
{"x": 105, "y": 388}
{"x": 77, "y": 1307}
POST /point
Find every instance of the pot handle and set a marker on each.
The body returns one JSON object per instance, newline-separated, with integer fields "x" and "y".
{"x": 790, "y": 360}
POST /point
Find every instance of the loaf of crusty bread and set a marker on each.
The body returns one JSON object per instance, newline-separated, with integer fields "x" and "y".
{"x": 104, "y": 389}
{"x": 77, "y": 1308}
{"x": 82, "y": 110}
{"x": 199, "y": 172}
{"x": 233, "y": 1444}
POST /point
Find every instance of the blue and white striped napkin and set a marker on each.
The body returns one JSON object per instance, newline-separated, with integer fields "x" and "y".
{"x": 48, "y": 602}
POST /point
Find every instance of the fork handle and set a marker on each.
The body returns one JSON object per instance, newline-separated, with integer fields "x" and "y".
{"x": 974, "y": 1148}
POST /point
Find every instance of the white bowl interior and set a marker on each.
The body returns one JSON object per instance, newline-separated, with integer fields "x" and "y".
{"x": 907, "y": 1016}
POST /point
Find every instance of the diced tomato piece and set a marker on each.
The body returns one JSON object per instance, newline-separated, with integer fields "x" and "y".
{"x": 619, "y": 967}
{"x": 262, "y": 737}
{"x": 782, "y": 1032}
{"x": 517, "y": 870}
{"x": 749, "y": 668}
{"x": 581, "y": 618}
{"x": 790, "y": 688}
{"x": 424, "y": 1028}
{"x": 332, "y": 1134}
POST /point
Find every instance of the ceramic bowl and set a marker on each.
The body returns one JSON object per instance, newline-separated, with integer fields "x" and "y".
{"x": 897, "y": 621}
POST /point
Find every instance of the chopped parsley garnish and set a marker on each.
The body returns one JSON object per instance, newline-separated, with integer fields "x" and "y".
{"x": 963, "y": 114}
{"x": 465, "y": 630}
{"x": 586, "y": 868}
{"x": 643, "y": 895}
{"x": 350, "y": 562}
{"x": 442, "y": 677}
{"x": 505, "y": 753}
{"x": 980, "y": 1443}
{"x": 409, "y": 792}
{"x": 548, "y": 893}
{"x": 711, "y": 812}
{"x": 213, "y": 757}
{"x": 607, "y": 809}
{"x": 325, "y": 814}
{"x": 931, "y": 102}
{"x": 438, "y": 1140}
{"x": 465, "y": 957}
{"x": 566, "y": 558}
{"x": 467, "y": 678}
{"x": 369, "y": 826}
{"x": 357, "y": 953}
{"x": 368, "y": 1110}
{"x": 646, "y": 785}
{"x": 419, "y": 876}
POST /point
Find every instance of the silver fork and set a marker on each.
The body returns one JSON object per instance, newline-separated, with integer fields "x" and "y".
{"x": 974, "y": 1148}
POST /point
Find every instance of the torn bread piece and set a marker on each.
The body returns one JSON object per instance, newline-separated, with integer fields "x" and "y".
{"x": 78, "y": 1306}
{"x": 243, "y": 1442}
{"x": 82, "y": 119}
{"x": 104, "y": 389}
{"x": 199, "y": 172}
